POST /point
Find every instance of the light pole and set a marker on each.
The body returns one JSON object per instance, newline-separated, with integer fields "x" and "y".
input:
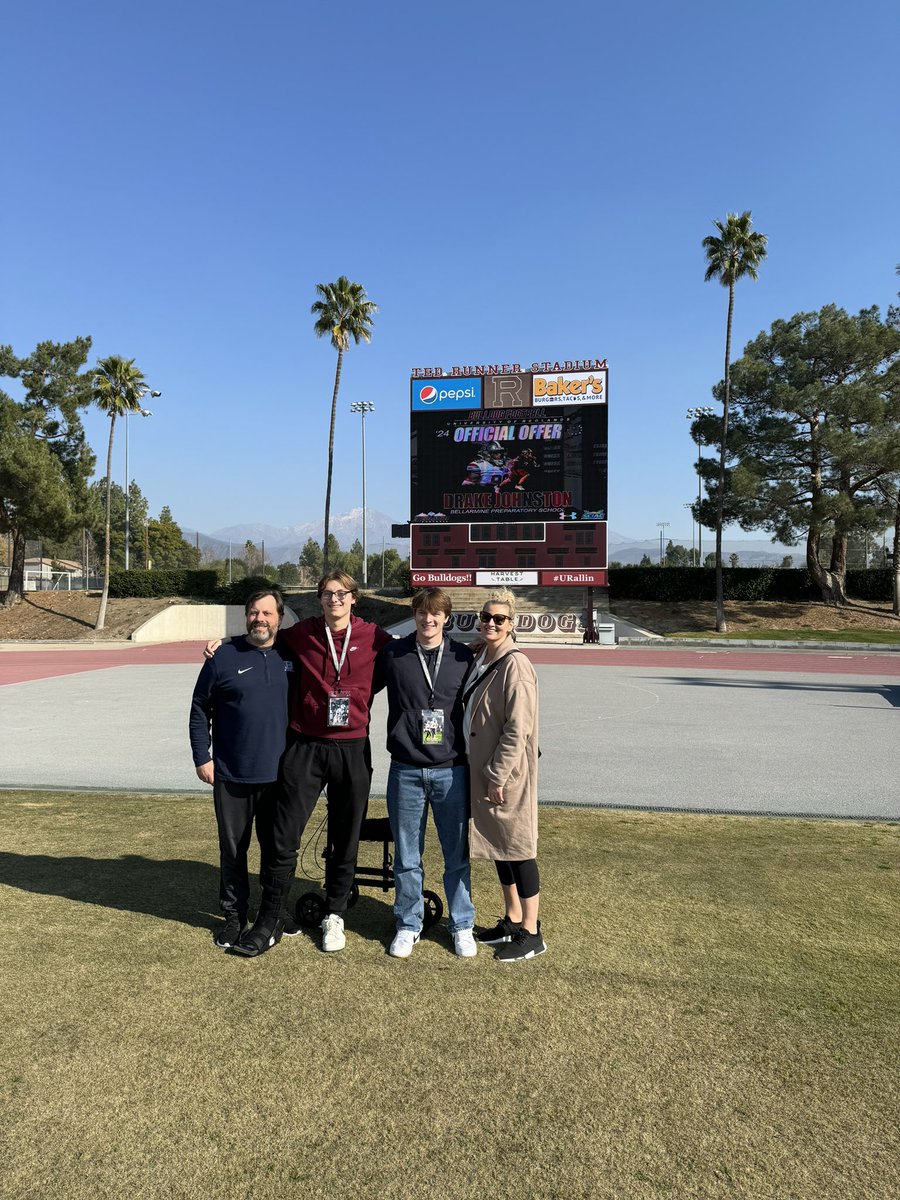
{"x": 694, "y": 414}
{"x": 663, "y": 526}
{"x": 362, "y": 407}
{"x": 690, "y": 509}
{"x": 144, "y": 412}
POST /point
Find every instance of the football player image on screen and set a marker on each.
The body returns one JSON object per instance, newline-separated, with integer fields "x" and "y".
{"x": 517, "y": 471}
{"x": 486, "y": 471}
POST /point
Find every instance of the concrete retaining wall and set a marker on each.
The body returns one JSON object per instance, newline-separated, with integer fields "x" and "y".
{"x": 198, "y": 623}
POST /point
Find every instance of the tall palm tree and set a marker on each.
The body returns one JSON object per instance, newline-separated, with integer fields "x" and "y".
{"x": 736, "y": 252}
{"x": 342, "y": 312}
{"x": 118, "y": 387}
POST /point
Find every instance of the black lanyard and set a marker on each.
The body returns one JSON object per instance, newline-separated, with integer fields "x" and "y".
{"x": 437, "y": 666}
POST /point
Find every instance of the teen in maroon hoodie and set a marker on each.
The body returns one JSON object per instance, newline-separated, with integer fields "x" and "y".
{"x": 328, "y": 745}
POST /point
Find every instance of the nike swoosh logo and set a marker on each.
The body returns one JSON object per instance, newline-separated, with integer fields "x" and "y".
{"x": 245, "y": 670}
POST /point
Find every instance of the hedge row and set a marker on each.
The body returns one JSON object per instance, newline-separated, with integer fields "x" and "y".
{"x": 739, "y": 583}
{"x": 241, "y": 590}
{"x": 200, "y": 584}
{"x": 871, "y": 585}
{"x": 625, "y": 583}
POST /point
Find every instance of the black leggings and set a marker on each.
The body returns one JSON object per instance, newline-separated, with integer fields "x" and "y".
{"x": 524, "y": 875}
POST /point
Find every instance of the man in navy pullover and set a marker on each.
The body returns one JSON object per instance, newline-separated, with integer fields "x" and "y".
{"x": 327, "y": 747}
{"x": 423, "y": 674}
{"x": 242, "y": 695}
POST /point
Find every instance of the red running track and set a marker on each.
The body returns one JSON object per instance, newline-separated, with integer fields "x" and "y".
{"x": 19, "y": 666}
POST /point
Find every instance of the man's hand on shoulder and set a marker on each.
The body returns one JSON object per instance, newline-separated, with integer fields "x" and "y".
{"x": 207, "y": 773}
{"x": 210, "y": 648}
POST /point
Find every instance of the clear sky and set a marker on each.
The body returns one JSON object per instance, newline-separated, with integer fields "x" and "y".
{"x": 510, "y": 181}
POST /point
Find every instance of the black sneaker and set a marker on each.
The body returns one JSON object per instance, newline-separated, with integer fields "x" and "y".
{"x": 522, "y": 945}
{"x": 226, "y": 937}
{"x": 502, "y": 932}
{"x": 258, "y": 940}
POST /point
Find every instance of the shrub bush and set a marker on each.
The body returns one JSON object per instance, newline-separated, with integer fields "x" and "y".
{"x": 151, "y": 584}
{"x": 871, "y": 585}
{"x": 671, "y": 584}
{"x": 241, "y": 590}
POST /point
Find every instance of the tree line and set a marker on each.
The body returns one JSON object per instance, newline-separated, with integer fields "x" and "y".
{"x": 385, "y": 568}
{"x": 46, "y": 466}
{"x": 46, "y": 463}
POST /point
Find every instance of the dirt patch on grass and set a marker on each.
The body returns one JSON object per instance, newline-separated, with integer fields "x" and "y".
{"x": 700, "y": 616}
{"x": 70, "y": 616}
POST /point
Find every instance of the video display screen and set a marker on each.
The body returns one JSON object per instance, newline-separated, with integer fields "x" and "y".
{"x": 513, "y": 464}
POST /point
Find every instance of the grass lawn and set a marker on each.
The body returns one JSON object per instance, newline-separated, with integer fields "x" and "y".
{"x": 717, "y": 1016}
{"x": 880, "y": 637}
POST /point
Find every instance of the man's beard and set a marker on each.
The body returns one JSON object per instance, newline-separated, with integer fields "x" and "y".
{"x": 260, "y": 634}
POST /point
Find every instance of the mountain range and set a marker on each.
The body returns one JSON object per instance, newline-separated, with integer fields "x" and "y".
{"x": 751, "y": 553}
{"x": 284, "y": 542}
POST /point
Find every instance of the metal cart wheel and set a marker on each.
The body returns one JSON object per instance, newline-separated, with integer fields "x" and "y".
{"x": 434, "y": 909}
{"x": 310, "y": 910}
{"x": 354, "y": 895}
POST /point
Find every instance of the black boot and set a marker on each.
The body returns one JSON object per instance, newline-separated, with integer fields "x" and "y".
{"x": 268, "y": 927}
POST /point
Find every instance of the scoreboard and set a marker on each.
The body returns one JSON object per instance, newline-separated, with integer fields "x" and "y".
{"x": 509, "y": 476}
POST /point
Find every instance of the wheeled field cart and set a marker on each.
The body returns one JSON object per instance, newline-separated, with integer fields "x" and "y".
{"x": 310, "y": 908}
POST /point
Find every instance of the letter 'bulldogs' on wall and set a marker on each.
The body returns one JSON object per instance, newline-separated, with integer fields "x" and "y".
{"x": 466, "y": 622}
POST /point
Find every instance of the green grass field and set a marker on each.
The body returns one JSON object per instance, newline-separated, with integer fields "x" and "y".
{"x": 717, "y": 1016}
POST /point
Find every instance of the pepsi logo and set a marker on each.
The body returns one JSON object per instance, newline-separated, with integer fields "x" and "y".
{"x": 447, "y": 393}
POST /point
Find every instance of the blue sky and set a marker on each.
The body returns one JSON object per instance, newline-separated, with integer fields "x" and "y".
{"x": 509, "y": 181}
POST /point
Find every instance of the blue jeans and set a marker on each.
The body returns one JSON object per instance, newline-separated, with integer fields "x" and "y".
{"x": 410, "y": 790}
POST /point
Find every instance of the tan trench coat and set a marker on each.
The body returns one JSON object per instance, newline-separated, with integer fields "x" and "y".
{"x": 503, "y": 750}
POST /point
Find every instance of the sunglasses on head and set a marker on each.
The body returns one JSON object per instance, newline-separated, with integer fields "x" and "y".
{"x": 498, "y": 618}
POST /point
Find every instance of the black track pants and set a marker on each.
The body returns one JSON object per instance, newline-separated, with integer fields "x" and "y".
{"x": 236, "y": 805}
{"x": 308, "y": 766}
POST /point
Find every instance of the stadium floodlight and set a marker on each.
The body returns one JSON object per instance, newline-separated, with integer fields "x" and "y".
{"x": 694, "y": 414}
{"x": 142, "y": 412}
{"x": 362, "y": 407}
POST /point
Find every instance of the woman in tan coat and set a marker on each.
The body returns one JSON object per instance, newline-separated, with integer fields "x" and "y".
{"x": 501, "y": 724}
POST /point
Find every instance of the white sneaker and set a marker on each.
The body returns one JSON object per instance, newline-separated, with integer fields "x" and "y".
{"x": 402, "y": 945}
{"x": 464, "y": 943}
{"x": 333, "y": 933}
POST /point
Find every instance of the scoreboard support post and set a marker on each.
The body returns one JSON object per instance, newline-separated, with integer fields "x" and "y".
{"x": 590, "y": 631}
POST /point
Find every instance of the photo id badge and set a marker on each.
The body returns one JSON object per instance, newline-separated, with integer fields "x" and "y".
{"x": 338, "y": 710}
{"x": 432, "y": 726}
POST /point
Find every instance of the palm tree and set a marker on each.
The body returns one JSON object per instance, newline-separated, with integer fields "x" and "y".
{"x": 117, "y": 388}
{"x": 736, "y": 252}
{"x": 342, "y": 312}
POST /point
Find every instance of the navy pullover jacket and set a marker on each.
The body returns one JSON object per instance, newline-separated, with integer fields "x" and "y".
{"x": 398, "y": 669}
{"x": 242, "y": 692}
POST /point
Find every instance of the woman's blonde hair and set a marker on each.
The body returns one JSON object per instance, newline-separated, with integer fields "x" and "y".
{"x": 502, "y": 596}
